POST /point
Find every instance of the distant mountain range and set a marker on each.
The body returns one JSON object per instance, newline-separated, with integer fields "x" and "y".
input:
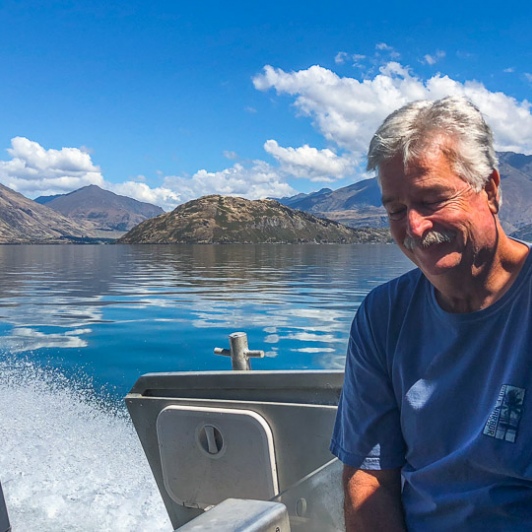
{"x": 356, "y": 205}
{"x": 101, "y": 210}
{"x": 93, "y": 214}
{"x": 359, "y": 205}
{"x": 23, "y": 221}
{"x": 86, "y": 215}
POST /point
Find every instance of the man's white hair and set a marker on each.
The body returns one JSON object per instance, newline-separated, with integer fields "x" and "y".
{"x": 413, "y": 128}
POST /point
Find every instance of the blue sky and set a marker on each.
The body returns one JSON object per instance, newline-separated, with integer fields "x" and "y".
{"x": 166, "y": 101}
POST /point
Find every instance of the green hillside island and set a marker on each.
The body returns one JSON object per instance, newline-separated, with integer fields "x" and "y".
{"x": 223, "y": 220}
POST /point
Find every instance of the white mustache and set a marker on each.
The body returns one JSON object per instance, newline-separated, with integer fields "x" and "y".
{"x": 432, "y": 237}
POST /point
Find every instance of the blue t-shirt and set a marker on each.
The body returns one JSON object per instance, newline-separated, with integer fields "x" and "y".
{"x": 446, "y": 397}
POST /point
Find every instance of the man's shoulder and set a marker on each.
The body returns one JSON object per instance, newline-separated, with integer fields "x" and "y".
{"x": 394, "y": 297}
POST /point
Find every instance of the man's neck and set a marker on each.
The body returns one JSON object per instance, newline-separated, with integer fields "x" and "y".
{"x": 486, "y": 284}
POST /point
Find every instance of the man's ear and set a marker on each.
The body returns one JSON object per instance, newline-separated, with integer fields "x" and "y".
{"x": 492, "y": 190}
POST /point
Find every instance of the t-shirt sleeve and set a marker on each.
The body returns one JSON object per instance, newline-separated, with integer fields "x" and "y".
{"x": 367, "y": 432}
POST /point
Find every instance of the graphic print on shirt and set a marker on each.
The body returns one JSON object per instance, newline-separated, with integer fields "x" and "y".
{"x": 504, "y": 420}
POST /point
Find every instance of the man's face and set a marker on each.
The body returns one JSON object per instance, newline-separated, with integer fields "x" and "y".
{"x": 436, "y": 218}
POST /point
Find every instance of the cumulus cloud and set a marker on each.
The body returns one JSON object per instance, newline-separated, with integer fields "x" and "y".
{"x": 310, "y": 163}
{"x": 347, "y": 111}
{"x": 166, "y": 198}
{"x": 35, "y": 170}
{"x": 256, "y": 180}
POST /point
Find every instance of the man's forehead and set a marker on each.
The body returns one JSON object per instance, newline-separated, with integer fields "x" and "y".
{"x": 396, "y": 168}
{"x": 427, "y": 174}
{"x": 421, "y": 188}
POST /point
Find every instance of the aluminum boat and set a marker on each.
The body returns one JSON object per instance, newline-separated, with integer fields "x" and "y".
{"x": 242, "y": 450}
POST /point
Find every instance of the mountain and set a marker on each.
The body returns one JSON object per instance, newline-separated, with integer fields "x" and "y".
{"x": 517, "y": 160}
{"x": 516, "y": 187}
{"x": 224, "y": 219}
{"x": 356, "y": 205}
{"x": 305, "y": 201}
{"x": 23, "y": 221}
{"x": 359, "y": 205}
{"x": 105, "y": 211}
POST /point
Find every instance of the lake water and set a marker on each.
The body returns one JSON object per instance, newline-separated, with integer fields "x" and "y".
{"x": 79, "y": 324}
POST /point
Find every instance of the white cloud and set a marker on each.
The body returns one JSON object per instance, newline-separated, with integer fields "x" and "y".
{"x": 341, "y": 58}
{"x": 162, "y": 196}
{"x": 33, "y": 170}
{"x": 383, "y": 47}
{"x": 257, "y": 180}
{"x": 310, "y": 163}
{"x": 433, "y": 59}
{"x": 509, "y": 70}
{"x": 347, "y": 111}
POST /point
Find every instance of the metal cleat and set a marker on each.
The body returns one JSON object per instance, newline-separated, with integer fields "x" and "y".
{"x": 239, "y": 352}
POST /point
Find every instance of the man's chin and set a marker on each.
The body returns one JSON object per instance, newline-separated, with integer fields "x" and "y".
{"x": 438, "y": 265}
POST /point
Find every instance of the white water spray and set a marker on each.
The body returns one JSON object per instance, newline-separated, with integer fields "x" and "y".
{"x": 69, "y": 461}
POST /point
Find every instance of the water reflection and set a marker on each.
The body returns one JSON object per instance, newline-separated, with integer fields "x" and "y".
{"x": 96, "y": 317}
{"x": 129, "y": 309}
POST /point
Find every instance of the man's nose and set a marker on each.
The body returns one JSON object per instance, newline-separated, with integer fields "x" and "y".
{"x": 418, "y": 224}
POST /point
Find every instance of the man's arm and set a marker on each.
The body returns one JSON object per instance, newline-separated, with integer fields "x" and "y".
{"x": 373, "y": 500}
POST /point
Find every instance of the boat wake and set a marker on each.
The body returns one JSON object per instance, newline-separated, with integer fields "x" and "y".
{"x": 69, "y": 460}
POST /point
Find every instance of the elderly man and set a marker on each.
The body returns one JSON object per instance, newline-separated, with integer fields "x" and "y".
{"x": 434, "y": 424}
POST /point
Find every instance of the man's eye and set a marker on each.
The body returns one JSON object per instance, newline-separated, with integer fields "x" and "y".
{"x": 396, "y": 214}
{"x": 436, "y": 204}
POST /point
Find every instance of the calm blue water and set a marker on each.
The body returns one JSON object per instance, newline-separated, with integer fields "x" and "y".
{"x": 80, "y": 324}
